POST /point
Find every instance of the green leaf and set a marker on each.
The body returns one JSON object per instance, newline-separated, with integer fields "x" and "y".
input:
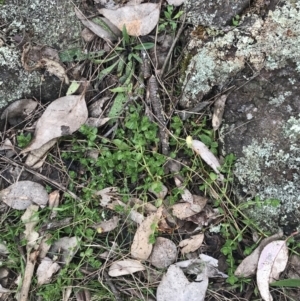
{"x": 125, "y": 36}
{"x": 119, "y": 89}
{"x": 206, "y": 139}
{"x": 107, "y": 70}
{"x": 117, "y": 106}
{"x": 73, "y": 87}
{"x": 137, "y": 58}
{"x": 120, "y": 144}
{"x": 287, "y": 283}
{"x": 144, "y": 46}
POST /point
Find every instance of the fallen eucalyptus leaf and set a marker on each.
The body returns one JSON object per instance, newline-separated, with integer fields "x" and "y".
{"x": 272, "y": 262}
{"x": 107, "y": 226}
{"x": 175, "y": 286}
{"x": 107, "y": 195}
{"x": 208, "y": 157}
{"x": 141, "y": 247}
{"x": 45, "y": 270}
{"x": 139, "y": 20}
{"x": 62, "y": 117}
{"x": 248, "y": 266}
{"x": 191, "y": 244}
{"x": 125, "y": 267}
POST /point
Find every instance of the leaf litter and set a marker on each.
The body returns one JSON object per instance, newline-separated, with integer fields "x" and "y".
{"x": 66, "y": 115}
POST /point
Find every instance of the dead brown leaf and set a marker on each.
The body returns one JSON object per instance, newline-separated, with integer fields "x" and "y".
{"x": 139, "y": 20}
{"x": 125, "y": 267}
{"x": 107, "y": 226}
{"x": 191, "y": 244}
{"x": 62, "y": 117}
{"x": 141, "y": 247}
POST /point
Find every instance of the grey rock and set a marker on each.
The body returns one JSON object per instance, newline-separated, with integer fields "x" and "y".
{"x": 262, "y": 128}
{"x": 214, "y": 13}
{"x": 52, "y": 23}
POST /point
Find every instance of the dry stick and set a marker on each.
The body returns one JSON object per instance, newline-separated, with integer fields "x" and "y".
{"x": 54, "y": 183}
{"x": 158, "y": 112}
{"x": 31, "y": 261}
{"x": 172, "y": 47}
{"x": 112, "y": 286}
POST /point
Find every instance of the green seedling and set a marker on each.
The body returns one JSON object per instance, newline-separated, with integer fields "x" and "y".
{"x": 23, "y": 140}
{"x": 236, "y": 20}
{"x": 170, "y": 19}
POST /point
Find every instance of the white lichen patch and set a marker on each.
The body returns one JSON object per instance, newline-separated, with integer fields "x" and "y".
{"x": 292, "y": 129}
{"x": 268, "y": 43}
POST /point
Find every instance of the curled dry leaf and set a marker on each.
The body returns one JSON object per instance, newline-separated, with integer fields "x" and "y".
{"x": 107, "y": 226}
{"x": 272, "y": 262}
{"x": 62, "y": 117}
{"x": 53, "y": 202}
{"x": 141, "y": 247}
{"x": 107, "y": 195}
{"x": 175, "y": 286}
{"x": 218, "y": 112}
{"x": 138, "y": 19}
{"x": 95, "y": 109}
{"x": 38, "y": 155}
{"x": 248, "y": 266}
{"x": 107, "y": 32}
{"x": 56, "y": 69}
{"x": 22, "y": 194}
{"x": 185, "y": 210}
{"x": 164, "y": 253}
{"x": 191, "y": 244}
{"x": 96, "y": 122}
{"x": 19, "y": 109}
{"x": 208, "y": 157}
{"x": 185, "y": 194}
{"x": 125, "y": 267}
{"x": 45, "y": 270}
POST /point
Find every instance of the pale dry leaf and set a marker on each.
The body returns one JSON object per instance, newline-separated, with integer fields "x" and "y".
{"x": 125, "y": 267}
{"x": 175, "y": 2}
{"x": 19, "y": 109}
{"x": 107, "y": 195}
{"x": 248, "y": 266}
{"x": 272, "y": 262}
{"x": 110, "y": 35}
{"x": 3, "y": 273}
{"x": 37, "y": 155}
{"x": 164, "y": 253}
{"x": 218, "y": 112}
{"x": 30, "y": 219}
{"x": 139, "y": 20}
{"x": 62, "y": 117}
{"x": 107, "y": 226}
{"x": 95, "y": 109}
{"x": 6, "y": 145}
{"x": 141, "y": 247}
{"x": 136, "y": 216}
{"x": 22, "y": 194}
{"x": 96, "y": 122}
{"x": 207, "y": 156}
{"x": 53, "y": 202}
{"x": 186, "y": 210}
{"x": 45, "y": 270}
{"x": 175, "y": 286}
{"x": 4, "y": 290}
{"x": 56, "y": 69}
{"x": 191, "y": 244}
{"x": 67, "y": 247}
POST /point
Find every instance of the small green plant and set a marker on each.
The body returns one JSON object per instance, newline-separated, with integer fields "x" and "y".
{"x": 23, "y": 140}
{"x": 236, "y": 20}
{"x": 170, "y": 19}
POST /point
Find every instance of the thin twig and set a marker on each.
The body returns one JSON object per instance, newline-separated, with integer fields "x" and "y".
{"x": 112, "y": 287}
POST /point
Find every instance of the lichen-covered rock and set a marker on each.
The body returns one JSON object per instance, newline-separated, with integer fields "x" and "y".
{"x": 262, "y": 115}
{"x": 262, "y": 128}
{"x": 213, "y": 13}
{"x": 268, "y": 43}
{"x": 52, "y": 23}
